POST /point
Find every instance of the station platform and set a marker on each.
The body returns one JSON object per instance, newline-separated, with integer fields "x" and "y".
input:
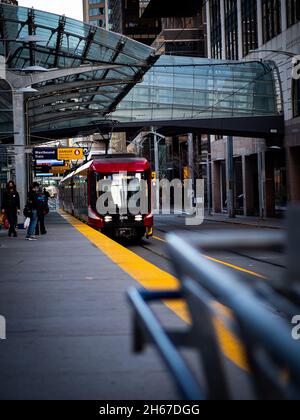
{"x": 68, "y": 322}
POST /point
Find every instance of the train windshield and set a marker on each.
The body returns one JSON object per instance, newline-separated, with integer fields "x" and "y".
{"x": 124, "y": 189}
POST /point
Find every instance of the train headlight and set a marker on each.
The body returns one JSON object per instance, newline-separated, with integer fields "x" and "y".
{"x": 139, "y": 218}
{"x": 108, "y": 219}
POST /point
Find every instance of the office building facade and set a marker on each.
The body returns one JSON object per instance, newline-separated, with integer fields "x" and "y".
{"x": 267, "y": 175}
{"x": 181, "y": 33}
{"x": 96, "y": 12}
{"x": 126, "y": 17}
{"x": 15, "y": 2}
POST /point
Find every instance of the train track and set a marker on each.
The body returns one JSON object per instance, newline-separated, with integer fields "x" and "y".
{"x": 240, "y": 254}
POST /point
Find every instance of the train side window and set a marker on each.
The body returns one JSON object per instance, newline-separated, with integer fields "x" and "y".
{"x": 93, "y": 192}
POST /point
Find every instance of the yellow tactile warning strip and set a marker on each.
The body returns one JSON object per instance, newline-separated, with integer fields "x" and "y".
{"x": 237, "y": 268}
{"x": 153, "y": 278}
{"x": 226, "y": 264}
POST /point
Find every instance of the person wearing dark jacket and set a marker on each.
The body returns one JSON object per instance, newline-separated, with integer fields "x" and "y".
{"x": 11, "y": 207}
{"x": 46, "y": 193}
{"x": 33, "y": 205}
{"x": 42, "y": 211}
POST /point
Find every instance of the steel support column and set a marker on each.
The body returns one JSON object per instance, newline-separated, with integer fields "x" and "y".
{"x": 261, "y": 161}
{"x": 20, "y": 143}
{"x": 191, "y": 157}
{"x": 230, "y": 178}
{"x": 157, "y": 169}
{"x": 209, "y": 177}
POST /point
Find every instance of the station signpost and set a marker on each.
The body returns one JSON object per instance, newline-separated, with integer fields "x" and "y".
{"x": 55, "y": 161}
{"x": 70, "y": 153}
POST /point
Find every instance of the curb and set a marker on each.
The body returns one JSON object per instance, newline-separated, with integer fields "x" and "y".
{"x": 241, "y": 223}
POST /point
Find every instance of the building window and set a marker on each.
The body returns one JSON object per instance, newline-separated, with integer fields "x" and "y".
{"x": 231, "y": 30}
{"x": 292, "y": 12}
{"x": 98, "y": 22}
{"x": 296, "y": 98}
{"x": 271, "y": 11}
{"x": 96, "y": 12}
{"x": 216, "y": 29}
{"x": 249, "y": 24}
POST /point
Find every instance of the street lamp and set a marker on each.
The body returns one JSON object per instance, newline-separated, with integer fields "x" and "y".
{"x": 27, "y": 90}
{"x": 35, "y": 69}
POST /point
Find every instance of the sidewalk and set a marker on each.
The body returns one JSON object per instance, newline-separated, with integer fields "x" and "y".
{"x": 247, "y": 221}
{"x": 68, "y": 323}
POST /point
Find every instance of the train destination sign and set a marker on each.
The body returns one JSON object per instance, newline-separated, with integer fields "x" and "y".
{"x": 50, "y": 163}
{"x": 44, "y": 153}
{"x": 70, "y": 153}
{"x": 67, "y": 153}
{"x": 59, "y": 170}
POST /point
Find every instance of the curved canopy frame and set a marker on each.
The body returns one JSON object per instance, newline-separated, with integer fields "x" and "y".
{"x": 90, "y": 69}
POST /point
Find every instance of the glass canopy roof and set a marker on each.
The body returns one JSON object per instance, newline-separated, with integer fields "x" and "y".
{"x": 67, "y": 43}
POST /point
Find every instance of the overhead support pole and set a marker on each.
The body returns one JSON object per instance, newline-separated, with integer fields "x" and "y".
{"x": 157, "y": 168}
{"x": 261, "y": 162}
{"x": 230, "y": 178}
{"x": 191, "y": 158}
{"x": 209, "y": 176}
{"x": 20, "y": 143}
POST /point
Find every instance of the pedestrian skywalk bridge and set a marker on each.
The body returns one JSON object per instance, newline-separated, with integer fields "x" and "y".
{"x": 92, "y": 76}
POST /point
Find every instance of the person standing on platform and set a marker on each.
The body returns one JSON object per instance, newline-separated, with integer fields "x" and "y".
{"x": 33, "y": 205}
{"x": 43, "y": 210}
{"x": 11, "y": 207}
{"x": 47, "y": 195}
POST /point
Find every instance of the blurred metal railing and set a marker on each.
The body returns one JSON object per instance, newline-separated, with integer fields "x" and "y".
{"x": 266, "y": 335}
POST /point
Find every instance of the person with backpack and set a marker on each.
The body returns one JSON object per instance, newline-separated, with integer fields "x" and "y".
{"x": 11, "y": 207}
{"x": 46, "y": 194}
{"x": 43, "y": 210}
{"x": 31, "y": 210}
